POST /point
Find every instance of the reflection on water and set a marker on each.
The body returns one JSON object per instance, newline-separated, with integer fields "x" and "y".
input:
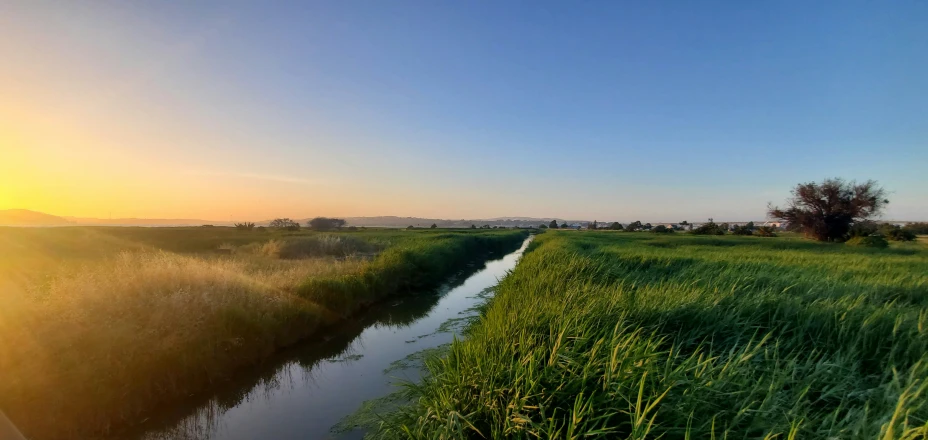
{"x": 302, "y": 392}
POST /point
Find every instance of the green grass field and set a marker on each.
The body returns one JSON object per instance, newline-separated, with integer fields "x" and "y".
{"x": 635, "y": 335}
{"x": 99, "y": 325}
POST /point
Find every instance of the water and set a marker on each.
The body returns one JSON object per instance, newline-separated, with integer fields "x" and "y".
{"x": 303, "y": 392}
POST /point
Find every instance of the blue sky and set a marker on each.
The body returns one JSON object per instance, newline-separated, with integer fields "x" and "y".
{"x": 660, "y": 111}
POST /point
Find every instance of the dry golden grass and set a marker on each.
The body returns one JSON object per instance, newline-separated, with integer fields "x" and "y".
{"x": 192, "y": 313}
{"x": 97, "y": 328}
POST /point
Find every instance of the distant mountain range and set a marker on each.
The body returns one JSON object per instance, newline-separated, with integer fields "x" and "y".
{"x": 25, "y": 217}
{"x": 402, "y": 222}
{"x": 143, "y": 222}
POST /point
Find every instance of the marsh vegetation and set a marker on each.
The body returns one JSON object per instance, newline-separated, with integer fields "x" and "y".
{"x": 99, "y": 325}
{"x": 617, "y": 335}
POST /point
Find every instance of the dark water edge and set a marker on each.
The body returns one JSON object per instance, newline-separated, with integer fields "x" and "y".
{"x": 304, "y": 391}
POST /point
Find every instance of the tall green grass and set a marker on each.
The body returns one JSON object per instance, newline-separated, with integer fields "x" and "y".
{"x": 92, "y": 337}
{"x": 605, "y": 335}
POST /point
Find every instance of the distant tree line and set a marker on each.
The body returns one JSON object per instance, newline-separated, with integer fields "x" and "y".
{"x": 918, "y": 228}
{"x": 287, "y": 224}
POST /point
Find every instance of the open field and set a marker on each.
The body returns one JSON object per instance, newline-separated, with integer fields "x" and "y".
{"x": 635, "y": 335}
{"x": 98, "y": 325}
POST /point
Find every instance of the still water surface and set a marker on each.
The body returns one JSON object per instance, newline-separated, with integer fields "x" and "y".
{"x": 303, "y": 392}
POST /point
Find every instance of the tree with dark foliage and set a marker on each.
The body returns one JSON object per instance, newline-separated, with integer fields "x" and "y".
{"x": 284, "y": 223}
{"x": 747, "y": 229}
{"x": 895, "y": 233}
{"x": 325, "y": 223}
{"x": 709, "y": 228}
{"x": 553, "y": 224}
{"x": 917, "y": 228}
{"x": 826, "y": 211}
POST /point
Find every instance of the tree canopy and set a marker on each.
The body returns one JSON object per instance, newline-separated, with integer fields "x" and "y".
{"x": 325, "y": 223}
{"x": 284, "y": 223}
{"x": 826, "y": 211}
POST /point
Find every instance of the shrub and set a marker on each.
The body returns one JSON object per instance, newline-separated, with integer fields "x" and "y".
{"x": 661, "y": 229}
{"x": 284, "y": 223}
{"x": 863, "y": 229}
{"x": 895, "y": 233}
{"x": 765, "y": 231}
{"x": 616, "y": 226}
{"x": 709, "y": 228}
{"x": 244, "y": 226}
{"x": 888, "y": 231}
{"x": 870, "y": 241}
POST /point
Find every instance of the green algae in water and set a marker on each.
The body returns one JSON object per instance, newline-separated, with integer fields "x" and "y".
{"x": 417, "y": 359}
{"x": 372, "y": 413}
{"x": 375, "y": 412}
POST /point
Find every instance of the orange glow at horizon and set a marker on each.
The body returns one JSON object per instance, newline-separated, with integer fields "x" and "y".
{"x": 61, "y": 168}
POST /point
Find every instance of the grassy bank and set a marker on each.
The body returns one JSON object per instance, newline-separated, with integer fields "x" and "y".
{"x": 98, "y": 325}
{"x": 621, "y": 335}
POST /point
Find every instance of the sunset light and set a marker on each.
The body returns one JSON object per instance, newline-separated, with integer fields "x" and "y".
{"x": 457, "y": 220}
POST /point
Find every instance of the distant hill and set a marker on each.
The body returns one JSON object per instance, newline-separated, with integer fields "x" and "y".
{"x": 143, "y": 222}
{"x": 402, "y": 222}
{"x": 25, "y": 217}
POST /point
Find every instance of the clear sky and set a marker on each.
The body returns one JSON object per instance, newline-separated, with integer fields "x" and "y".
{"x": 609, "y": 110}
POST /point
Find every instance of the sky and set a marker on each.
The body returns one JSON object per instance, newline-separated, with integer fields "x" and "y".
{"x": 608, "y": 110}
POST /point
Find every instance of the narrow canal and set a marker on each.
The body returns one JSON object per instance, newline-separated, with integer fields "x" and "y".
{"x": 304, "y": 392}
